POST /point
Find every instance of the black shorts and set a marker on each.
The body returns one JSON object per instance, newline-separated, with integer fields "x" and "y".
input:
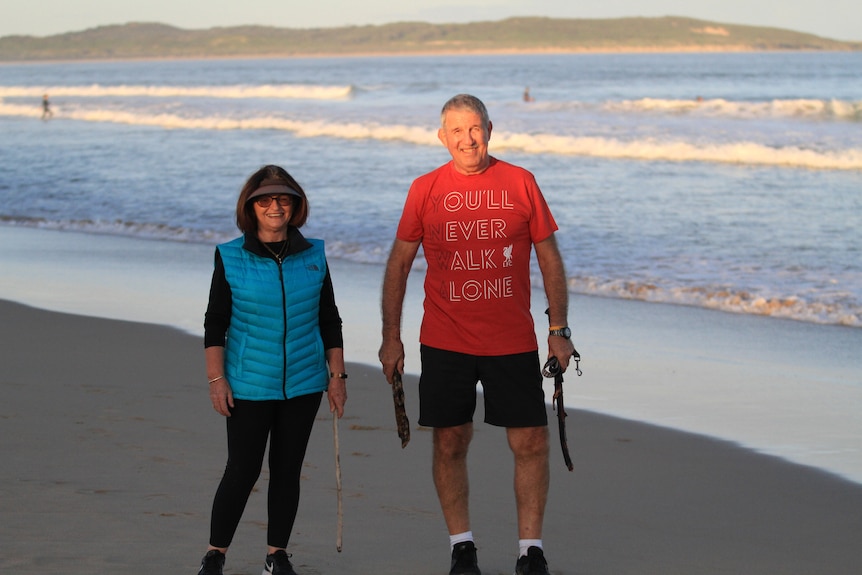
{"x": 511, "y": 386}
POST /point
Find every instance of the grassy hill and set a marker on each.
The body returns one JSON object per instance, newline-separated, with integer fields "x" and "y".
{"x": 150, "y": 40}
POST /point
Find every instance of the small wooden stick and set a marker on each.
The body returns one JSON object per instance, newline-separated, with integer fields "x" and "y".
{"x": 400, "y": 411}
{"x": 340, "y": 525}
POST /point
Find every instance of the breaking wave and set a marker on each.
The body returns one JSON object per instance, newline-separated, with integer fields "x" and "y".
{"x": 271, "y": 91}
{"x": 834, "y": 309}
{"x": 121, "y": 228}
{"x": 844, "y": 311}
{"x": 814, "y": 109}
{"x": 741, "y": 152}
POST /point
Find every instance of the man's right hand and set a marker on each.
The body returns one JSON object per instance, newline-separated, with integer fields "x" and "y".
{"x": 391, "y": 357}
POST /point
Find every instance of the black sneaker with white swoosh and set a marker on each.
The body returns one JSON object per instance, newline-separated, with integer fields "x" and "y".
{"x": 212, "y": 563}
{"x": 278, "y": 563}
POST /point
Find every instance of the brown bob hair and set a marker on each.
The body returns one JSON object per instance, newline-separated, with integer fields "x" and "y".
{"x": 269, "y": 175}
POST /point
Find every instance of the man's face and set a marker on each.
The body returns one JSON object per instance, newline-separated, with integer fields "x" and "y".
{"x": 466, "y": 139}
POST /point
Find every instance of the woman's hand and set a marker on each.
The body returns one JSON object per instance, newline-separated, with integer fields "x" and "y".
{"x": 337, "y": 394}
{"x": 221, "y": 396}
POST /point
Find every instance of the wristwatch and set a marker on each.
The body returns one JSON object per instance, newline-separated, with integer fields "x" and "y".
{"x": 561, "y": 331}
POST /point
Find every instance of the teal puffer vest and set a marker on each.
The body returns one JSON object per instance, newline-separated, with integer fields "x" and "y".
{"x": 273, "y": 348}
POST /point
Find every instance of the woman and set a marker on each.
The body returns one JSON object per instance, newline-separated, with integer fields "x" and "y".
{"x": 273, "y": 345}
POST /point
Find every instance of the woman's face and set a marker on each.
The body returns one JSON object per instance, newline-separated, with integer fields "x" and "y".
{"x": 273, "y": 212}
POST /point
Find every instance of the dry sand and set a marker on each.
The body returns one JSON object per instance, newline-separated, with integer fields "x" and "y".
{"x": 111, "y": 455}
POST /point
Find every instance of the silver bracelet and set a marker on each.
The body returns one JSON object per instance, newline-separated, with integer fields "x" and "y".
{"x": 215, "y": 379}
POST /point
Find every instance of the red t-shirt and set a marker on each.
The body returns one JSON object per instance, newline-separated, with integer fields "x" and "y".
{"x": 477, "y": 233}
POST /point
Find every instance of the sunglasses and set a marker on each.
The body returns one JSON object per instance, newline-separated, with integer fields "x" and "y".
{"x": 265, "y": 201}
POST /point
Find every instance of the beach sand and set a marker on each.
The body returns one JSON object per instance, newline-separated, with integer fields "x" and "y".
{"x": 112, "y": 453}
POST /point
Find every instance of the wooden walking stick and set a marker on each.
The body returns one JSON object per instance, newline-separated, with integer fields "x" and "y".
{"x": 340, "y": 524}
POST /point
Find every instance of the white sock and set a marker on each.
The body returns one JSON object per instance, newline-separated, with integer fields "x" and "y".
{"x": 524, "y": 544}
{"x": 460, "y": 538}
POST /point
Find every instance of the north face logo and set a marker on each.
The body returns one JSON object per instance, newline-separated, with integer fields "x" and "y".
{"x": 312, "y": 268}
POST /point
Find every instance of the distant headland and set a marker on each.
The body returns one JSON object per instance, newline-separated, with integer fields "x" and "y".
{"x": 513, "y": 35}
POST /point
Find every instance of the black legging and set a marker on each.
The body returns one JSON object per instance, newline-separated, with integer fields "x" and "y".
{"x": 287, "y": 424}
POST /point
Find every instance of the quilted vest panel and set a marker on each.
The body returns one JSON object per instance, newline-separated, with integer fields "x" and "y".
{"x": 273, "y": 348}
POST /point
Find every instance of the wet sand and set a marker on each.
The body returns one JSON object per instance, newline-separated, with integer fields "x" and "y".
{"x": 112, "y": 453}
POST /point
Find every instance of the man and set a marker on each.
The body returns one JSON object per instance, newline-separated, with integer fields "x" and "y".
{"x": 477, "y": 219}
{"x": 46, "y": 108}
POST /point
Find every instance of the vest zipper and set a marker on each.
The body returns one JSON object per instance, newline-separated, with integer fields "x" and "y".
{"x": 283, "y": 332}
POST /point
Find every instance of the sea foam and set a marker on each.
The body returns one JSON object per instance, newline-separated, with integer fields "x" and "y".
{"x": 270, "y": 91}
{"x": 673, "y": 150}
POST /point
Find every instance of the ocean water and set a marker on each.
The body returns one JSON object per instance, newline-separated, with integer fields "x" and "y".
{"x": 728, "y": 182}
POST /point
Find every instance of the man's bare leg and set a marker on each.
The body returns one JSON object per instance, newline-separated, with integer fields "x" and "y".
{"x": 532, "y": 477}
{"x": 449, "y": 468}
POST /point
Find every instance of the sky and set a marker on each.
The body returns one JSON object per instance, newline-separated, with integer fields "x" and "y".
{"x": 836, "y": 19}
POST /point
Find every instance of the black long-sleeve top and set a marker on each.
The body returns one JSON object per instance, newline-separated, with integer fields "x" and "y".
{"x": 218, "y": 312}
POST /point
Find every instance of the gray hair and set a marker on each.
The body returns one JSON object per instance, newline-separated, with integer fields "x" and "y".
{"x": 465, "y": 102}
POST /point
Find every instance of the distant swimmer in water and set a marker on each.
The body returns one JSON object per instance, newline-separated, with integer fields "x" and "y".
{"x": 527, "y": 96}
{"x": 46, "y": 108}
